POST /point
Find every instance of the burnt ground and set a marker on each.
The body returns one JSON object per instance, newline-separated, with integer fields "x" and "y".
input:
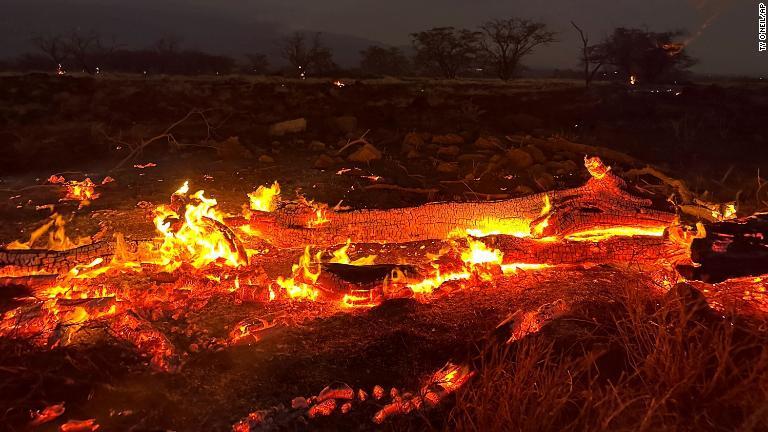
{"x": 712, "y": 136}
{"x": 397, "y": 344}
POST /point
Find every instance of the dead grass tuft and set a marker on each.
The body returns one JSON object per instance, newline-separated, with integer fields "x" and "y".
{"x": 642, "y": 364}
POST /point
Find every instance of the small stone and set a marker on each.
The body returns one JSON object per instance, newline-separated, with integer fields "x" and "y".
{"x": 523, "y": 190}
{"x": 449, "y": 151}
{"x": 412, "y": 141}
{"x": 299, "y": 403}
{"x": 519, "y": 159}
{"x": 316, "y": 146}
{"x": 346, "y": 408}
{"x": 231, "y": 149}
{"x": 536, "y": 169}
{"x": 365, "y": 154}
{"x": 378, "y": 392}
{"x": 266, "y": 159}
{"x": 324, "y": 162}
{"x": 448, "y": 168}
{"x": 536, "y": 153}
{"x": 545, "y": 181}
{"x": 488, "y": 143}
{"x": 448, "y": 139}
{"x": 288, "y": 127}
{"x": 413, "y": 154}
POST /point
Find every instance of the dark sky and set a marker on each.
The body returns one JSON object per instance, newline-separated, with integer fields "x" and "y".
{"x": 727, "y": 46}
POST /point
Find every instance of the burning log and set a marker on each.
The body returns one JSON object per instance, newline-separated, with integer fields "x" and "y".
{"x": 33, "y": 261}
{"x": 43, "y": 261}
{"x": 600, "y": 206}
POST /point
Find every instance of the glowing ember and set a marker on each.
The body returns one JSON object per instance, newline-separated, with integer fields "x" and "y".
{"x": 596, "y": 167}
{"x": 479, "y": 253}
{"x": 48, "y": 414}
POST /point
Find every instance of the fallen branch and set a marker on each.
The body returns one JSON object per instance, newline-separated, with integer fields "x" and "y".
{"x": 166, "y": 135}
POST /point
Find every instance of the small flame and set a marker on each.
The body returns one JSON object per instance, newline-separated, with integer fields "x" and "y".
{"x": 340, "y": 256}
{"x": 299, "y": 285}
{"x": 265, "y": 199}
{"x": 597, "y": 169}
{"x": 195, "y": 235}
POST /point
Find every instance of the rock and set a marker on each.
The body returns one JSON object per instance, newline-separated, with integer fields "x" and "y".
{"x": 562, "y": 167}
{"x": 519, "y": 159}
{"x": 448, "y": 168}
{"x": 523, "y": 190}
{"x": 316, "y": 146}
{"x": 231, "y": 149}
{"x": 288, "y": 127}
{"x": 488, "y": 143}
{"x": 536, "y": 169}
{"x": 545, "y": 181}
{"x": 571, "y": 166}
{"x": 299, "y": 403}
{"x": 449, "y": 151}
{"x": 536, "y": 153}
{"x": 266, "y": 159}
{"x": 365, "y": 154}
{"x": 412, "y": 141}
{"x": 324, "y": 162}
{"x": 448, "y": 139}
{"x": 345, "y": 124}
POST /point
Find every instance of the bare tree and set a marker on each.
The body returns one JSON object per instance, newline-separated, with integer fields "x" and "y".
{"x": 647, "y": 56}
{"x": 384, "y": 61}
{"x": 256, "y": 63}
{"x": 506, "y": 41}
{"x": 167, "y": 50}
{"x": 87, "y": 49}
{"x": 445, "y": 50}
{"x": 53, "y": 46}
{"x": 591, "y": 61}
{"x": 168, "y": 44}
{"x": 307, "y": 57}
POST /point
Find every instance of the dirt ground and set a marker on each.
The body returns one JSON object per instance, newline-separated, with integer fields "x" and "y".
{"x": 432, "y": 140}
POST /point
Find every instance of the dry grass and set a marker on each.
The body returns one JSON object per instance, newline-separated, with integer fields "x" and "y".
{"x": 643, "y": 365}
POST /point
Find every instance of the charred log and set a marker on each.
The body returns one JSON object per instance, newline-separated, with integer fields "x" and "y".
{"x": 603, "y": 203}
{"x": 730, "y": 249}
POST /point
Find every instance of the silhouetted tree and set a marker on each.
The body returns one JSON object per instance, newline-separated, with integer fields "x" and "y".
{"x": 307, "y": 57}
{"x": 649, "y": 56}
{"x": 88, "y": 49}
{"x": 506, "y": 41}
{"x": 256, "y": 63}
{"x": 445, "y": 50}
{"x": 591, "y": 61}
{"x": 384, "y": 61}
{"x": 167, "y": 49}
{"x": 53, "y": 46}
